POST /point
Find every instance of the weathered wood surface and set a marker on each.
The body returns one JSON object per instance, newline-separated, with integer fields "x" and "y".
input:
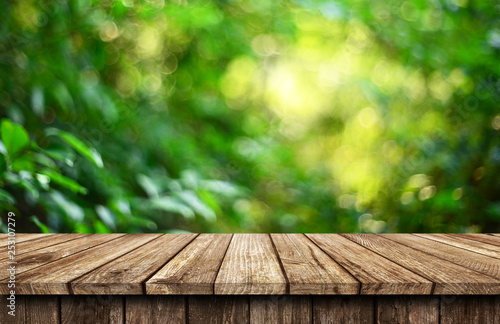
{"x": 470, "y": 309}
{"x": 255, "y": 264}
{"x": 39, "y": 243}
{"x": 155, "y": 309}
{"x": 448, "y": 277}
{"x": 490, "y": 239}
{"x": 92, "y": 309}
{"x": 344, "y": 310}
{"x": 379, "y": 275}
{"x": 463, "y": 243}
{"x": 280, "y": 309}
{"x": 218, "y": 309}
{"x": 192, "y": 271}
{"x": 43, "y": 256}
{"x": 54, "y": 277}
{"x": 310, "y": 270}
{"x": 250, "y": 266}
{"x": 333, "y": 309}
{"x": 19, "y": 238}
{"x": 478, "y": 262}
{"x": 31, "y": 310}
{"x": 126, "y": 274}
{"x": 407, "y": 309}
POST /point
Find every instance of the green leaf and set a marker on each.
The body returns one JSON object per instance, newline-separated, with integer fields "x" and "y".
{"x": 143, "y": 222}
{"x": 101, "y": 228}
{"x": 172, "y": 205}
{"x": 3, "y": 164}
{"x": 90, "y": 153}
{"x": 12, "y": 178}
{"x": 44, "y": 228}
{"x": 45, "y": 161}
{"x": 23, "y": 163}
{"x": 221, "y": 187}
{"x": 14, "y": 137}
{"x": 43, "y": 180}
{"x": 106, "y": 216}
{"x": 29, "y": 187}
{"x": 6, "y": 197}
{"x": 60, "y": 153}
{"x": 83, "y": 228}
{"x": 65, "y": 182}
{"x": 71, "y": 209}
{"x": 149, "y": 186}
{"x": 190, "y": 198}
{"x": 37, "y": 101}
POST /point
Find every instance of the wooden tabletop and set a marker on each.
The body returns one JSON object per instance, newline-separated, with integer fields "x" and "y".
{"x": 254, "y": 264}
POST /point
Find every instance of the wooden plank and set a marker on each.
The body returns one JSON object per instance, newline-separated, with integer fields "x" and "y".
{"x": 250, "y": 267}
{"x": 471, "y": 245}
{"x": 49, "y": 240}
{"x": 309, "y": 270}
{"x": 41, "y": 309}
{"x": 281, "y": 309}
{"x": 489, "y": 239}
{"x": 343, "y": 309}
{"x": 408, "y": 309}
{"x": 92, "y": 309}
{"x": 54, "y": 278}
{"x": 52, "y": 253}
{"x": 478, "y": 262}
{"x": 218, "y": 309}
{"x": 19, "y": 309}
{"x": 470, "y": 309}
{"x": 125, "y": 275}
{"x": 449, "y": 278}
{"x": 32, "y": 310}
{"x": 21, "y": 237}
{"x": 194, "y": 269}
{"x": 155, "y": 309}
{"x": 377, "y": 274}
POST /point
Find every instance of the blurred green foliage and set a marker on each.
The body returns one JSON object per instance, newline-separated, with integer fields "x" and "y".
{"x": 250, "y": 116}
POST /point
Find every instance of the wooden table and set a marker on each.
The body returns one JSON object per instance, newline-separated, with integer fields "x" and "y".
{"x": 254, "y": 278}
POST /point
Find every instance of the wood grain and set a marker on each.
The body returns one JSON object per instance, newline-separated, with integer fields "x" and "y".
{"x": 489, "y": 239}
{"x": 475, "y": 261}
{"x": 343, "y": 310}
{"x": 449, "y": 278}
{"x": 408, "y": 309}
{"x": 250, "y": 267}
{"x": 21, "y": 237}
{"x": 54, "y": 277}
{"x": 281, "y": 309}
{"x": 218, "y": 309}
{"x": 309, "y": 270}
{"x": 471, "y": 245}
{"x": 32, "y": 310}
{"x": 378, "y": 275}
{"x": 92, "y": 309}
{"x": 39, "y": 243}
{"x": 155, "y": 309}
{"x": 35, "y": 259}
{"x": 125, "y": 275}
{"x": 470, "y": 309}
{"x": 194, "y": 269}
{"x": 252, "y": 264}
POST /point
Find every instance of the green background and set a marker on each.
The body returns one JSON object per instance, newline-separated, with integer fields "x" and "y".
{"x": 250, "y": 116}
